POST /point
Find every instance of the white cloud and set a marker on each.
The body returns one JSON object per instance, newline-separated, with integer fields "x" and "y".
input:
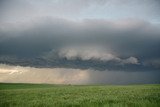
{"x": 86, "y": 54}
{"x": 130, "y": 60}
{"x": 95, "y": 53}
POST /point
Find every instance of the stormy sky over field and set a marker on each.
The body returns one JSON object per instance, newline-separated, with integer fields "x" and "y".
{"x": 80, "y": 41}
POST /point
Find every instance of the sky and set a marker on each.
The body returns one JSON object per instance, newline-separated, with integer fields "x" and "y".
{"x": 80, "y": 41}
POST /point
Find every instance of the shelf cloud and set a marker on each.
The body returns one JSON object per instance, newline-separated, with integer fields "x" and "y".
{"x": 61, "y": 43}
{"x": 95, "y": 36}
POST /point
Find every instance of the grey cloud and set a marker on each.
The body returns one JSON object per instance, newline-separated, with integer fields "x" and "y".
{"x": 18, "y": 10}
{"x": 48, "y": 42}
{"x": 152, "y": 62}
{"x": 80, "y": 41}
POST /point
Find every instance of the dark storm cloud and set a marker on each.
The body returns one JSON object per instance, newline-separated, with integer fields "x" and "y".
{"x": 73, "y": 41}
{"x": 116, "y": 45}
{"x": 81, "y": 34}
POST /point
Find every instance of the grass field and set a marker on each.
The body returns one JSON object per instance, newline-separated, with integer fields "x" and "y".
{"x": 45, "y": 95}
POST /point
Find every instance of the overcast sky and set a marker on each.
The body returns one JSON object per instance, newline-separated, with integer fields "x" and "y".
{"x": 93, "y": 38}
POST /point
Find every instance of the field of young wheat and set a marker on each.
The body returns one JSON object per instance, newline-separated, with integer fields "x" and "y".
{"x": 45, "y": 95}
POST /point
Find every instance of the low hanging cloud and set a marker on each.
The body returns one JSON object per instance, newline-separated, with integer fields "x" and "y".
{"x": 90, "y": 43}
{"x": 130, "y": 60}
{"x": 93, "y": 54}
{"x": 80, "y": 41}
{"x": 86, "y": 53}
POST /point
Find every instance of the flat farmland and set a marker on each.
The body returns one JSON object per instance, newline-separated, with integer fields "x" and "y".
{"x": 48, "y": 95}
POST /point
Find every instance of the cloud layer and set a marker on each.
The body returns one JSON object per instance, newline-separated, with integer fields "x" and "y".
{"x": 19, "y": 11}
{"x": 98, "y": 44}
{"x": 95, "y": 38}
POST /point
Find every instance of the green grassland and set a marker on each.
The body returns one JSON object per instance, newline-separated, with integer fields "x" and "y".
{"x": 46, "y": 95}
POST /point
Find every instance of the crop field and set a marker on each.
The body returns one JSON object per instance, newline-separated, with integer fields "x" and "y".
{"x": 47, "y": 95}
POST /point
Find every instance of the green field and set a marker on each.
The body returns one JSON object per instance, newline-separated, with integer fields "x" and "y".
{"x": 45, "y": 95}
